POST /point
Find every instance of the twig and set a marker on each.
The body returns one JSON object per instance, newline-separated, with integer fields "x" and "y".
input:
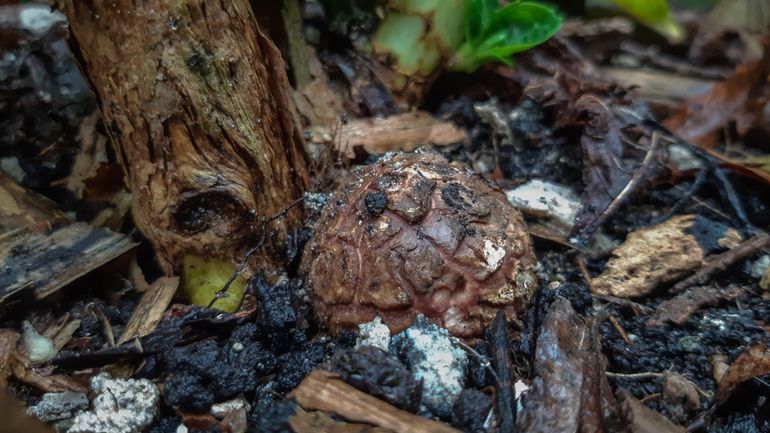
{"x": 644, "y": 375}
{"x": 483, "y": 360}
{"x": 732, "y": 196}
{"x": 719, "y": 262}
{"x": 107, "y": 326}
{"x": 627, "y": 190}
{"x": 263, "y": 234}
{"x": 584, "y": 271}
{"x": 712, "y": 165}
{"x": 623, "y": 302}
{"x": 620, "y": 330}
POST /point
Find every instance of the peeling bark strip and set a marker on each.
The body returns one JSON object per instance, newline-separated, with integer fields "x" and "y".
{"x": 194, "y": 97}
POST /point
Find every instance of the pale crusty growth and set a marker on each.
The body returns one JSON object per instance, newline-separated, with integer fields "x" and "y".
{"x": 415, "y": 234}
{"x": 650, "y": 257}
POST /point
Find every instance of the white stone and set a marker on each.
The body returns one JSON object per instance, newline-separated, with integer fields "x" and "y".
{"x": 519, "y": 389}
{"x": 374, "y": 333}
{"x": 546, "y": 200}
{"x": 38, "y": 18}
{"x": 220, "y": 410}
{"x": 683, "y": 159}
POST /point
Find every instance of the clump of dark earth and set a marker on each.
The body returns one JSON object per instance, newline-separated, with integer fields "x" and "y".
{"x": 684, "y": 349}
{"x": 205, "y": 372}
{"x": 280, "y": 307}
{"x": 375, "y": 372}
{"x": 274, "y": 419}
{"x": 471, "y": 410}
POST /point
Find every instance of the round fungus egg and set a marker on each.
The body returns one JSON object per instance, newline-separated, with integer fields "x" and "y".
{"x": 414, "y": 234}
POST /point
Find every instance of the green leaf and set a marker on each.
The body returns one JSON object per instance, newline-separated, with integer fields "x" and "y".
{"x": 655, "y": 14}
{"x": 478, "y": 18}
{"x": 515, "y": 28}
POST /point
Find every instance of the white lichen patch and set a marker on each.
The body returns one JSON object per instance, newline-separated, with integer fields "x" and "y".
{"x": 493, "y": 255}
{"x": 120, "y": 406}
{"x": 437, "y": 362}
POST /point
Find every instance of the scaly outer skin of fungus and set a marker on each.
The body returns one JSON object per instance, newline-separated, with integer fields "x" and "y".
{"x": 414, "y": 234}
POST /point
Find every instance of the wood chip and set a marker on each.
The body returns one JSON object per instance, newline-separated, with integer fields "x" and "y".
{"x": 405, "y": 132}
{"x": 151, "y": 307}
{"x": 319, "y": 422}
{"x": 323, "y": 391}
{"x": 42, "y": 249}
{"x": 45, "y": 262}
{"x": 15, "y": 418}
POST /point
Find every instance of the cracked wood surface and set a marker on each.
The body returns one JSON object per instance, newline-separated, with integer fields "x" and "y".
{"x": 194, "y": 97}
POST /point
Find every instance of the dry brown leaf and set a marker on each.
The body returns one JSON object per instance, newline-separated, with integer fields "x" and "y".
{"x": 151, "y": 307}
{"x": 755, "y": 361}
{"x": 22, "y": 209}
{"x": 738, "y": 99}
{"x": 90, "y": 157}
{"x": 570, "y": 392}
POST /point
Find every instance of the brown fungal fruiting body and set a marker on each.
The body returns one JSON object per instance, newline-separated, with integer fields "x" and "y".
{"x": 415, "y": 234}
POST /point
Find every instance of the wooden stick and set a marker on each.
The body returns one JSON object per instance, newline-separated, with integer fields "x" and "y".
{"x": 720, "y": 262}
{"x": 321, "y": 390}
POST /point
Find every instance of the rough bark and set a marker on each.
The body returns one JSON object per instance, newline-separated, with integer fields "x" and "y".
{"x": 194, "y": 97}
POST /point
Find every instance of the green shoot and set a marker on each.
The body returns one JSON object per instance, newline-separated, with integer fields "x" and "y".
{"x": 495, "y": 34}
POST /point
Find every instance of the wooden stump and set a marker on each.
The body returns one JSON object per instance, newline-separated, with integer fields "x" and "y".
{"x": 194, "y": 97}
